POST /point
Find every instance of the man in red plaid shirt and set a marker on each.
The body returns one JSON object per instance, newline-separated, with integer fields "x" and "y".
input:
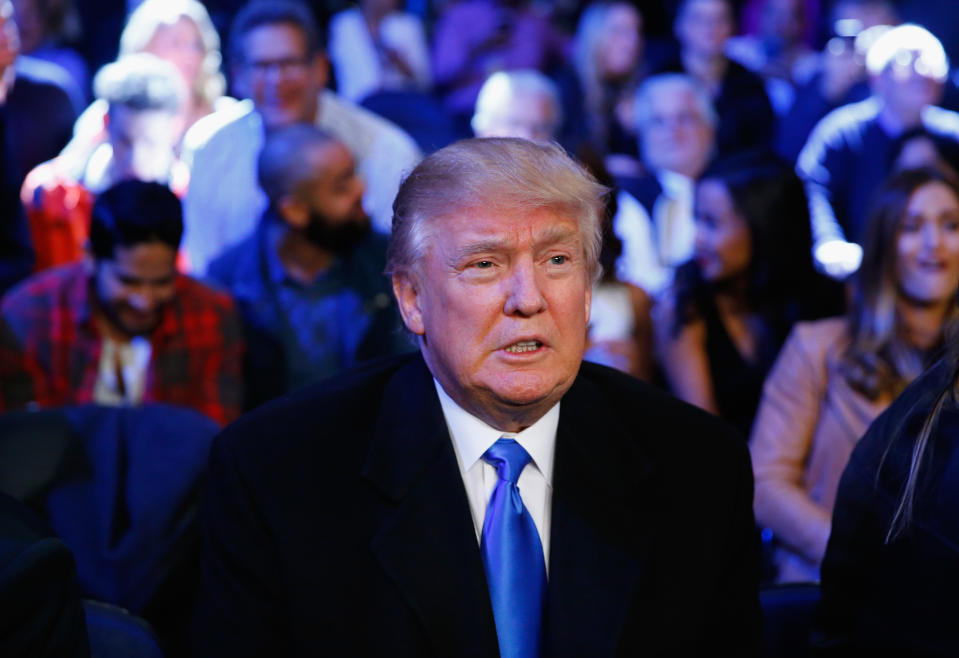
{"x": 125, "y": 328}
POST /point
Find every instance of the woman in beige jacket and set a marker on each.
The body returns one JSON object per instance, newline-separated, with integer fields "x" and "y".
{"x": 833, "y": 377}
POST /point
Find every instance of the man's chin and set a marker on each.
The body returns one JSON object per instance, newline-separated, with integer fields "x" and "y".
{"x": 137, "y": 326}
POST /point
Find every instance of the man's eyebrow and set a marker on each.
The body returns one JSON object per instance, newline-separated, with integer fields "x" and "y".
{"x": 554, "y": 234}
{"x": 557, "y": 233}
{"x": 480, "y": 247}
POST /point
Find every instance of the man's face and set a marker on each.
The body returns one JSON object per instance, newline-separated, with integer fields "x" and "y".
{"x": 133, "y": 287}
{"x": 523, "y": 114}
{"x": 501, "y": 301}
{"x": 907, "y": 89}
{"x": 704, "y": 26}
{"x": 142, "y": 143}
{"x": 335, "y": 199}
{"x": 675, "y": 136}
{"x": 280, "y": 76}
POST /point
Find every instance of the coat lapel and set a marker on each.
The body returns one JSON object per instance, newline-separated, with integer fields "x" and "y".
{"x": 597, "y": 545}
{"x": 428, "y": 546}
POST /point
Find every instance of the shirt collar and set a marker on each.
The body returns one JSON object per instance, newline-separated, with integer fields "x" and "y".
{"x": 676, "y": 186}
{"x": 473, "y": 437}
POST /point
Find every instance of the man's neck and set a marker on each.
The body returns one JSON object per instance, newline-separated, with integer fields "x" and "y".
{"x": 302, "y": 259}
{"x": 709, "y": 71}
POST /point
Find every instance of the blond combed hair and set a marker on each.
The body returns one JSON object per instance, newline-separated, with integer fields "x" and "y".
{"x": 495, "y": 173}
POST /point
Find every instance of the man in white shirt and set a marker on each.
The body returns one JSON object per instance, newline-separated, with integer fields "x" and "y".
{"x": 493, "y": 494}
{"x": 676, "y": 123}
{"x": 280, "y": 67}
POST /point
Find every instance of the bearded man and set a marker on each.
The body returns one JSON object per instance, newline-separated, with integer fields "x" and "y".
{"x": 309, "y": 281}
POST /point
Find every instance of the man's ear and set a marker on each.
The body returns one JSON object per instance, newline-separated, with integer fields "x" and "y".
{"x": 294, "y": 212}
{"x": 408, "y": 299}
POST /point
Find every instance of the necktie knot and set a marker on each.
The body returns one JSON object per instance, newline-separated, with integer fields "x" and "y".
{"x": 509, "y": 459}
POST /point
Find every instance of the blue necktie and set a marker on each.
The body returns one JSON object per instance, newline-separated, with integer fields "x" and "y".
{"x": 513, "y": 557}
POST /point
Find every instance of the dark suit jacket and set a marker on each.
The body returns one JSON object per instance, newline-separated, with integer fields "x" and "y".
{"x": 336, "y": 523}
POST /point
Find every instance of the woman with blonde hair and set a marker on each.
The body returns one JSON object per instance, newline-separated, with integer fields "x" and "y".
{"x": 181, "y": 32}
{"x": 598, "y": 89}
{"x": 835, "y": 376}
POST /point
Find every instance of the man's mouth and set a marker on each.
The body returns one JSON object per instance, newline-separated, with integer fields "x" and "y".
{"x": 524, "y": 346}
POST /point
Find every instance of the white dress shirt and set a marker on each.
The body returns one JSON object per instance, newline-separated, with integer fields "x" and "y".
{"x": 472, "y": 437}
{"x": 654, "y": 246}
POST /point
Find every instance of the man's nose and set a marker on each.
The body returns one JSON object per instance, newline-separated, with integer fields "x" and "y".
{"x": 524, "y": 294}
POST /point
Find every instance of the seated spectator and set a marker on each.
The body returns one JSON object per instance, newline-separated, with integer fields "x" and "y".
{"x": 309, "y": 282}
{"x": 143, "y": 95}
{"x": 122, "y": 327}
{"x": 776, "y": 43}
{"x": 279, "y": 64}
{"x": 654, "y": 220}
{"x": 48, "y": 30}
{"x": 720, "y": 327}
{"x": 180, "y": 32}
{"x": 848, "y": 154}
{"x": 522, "y": 103}
{"x": 375, "y": 47}
{"x": 891, "y": 566}
{"x": 838, "y": 75}
{"x": 35, "y": 98}
{"x": 835, "y": 376}
{"x": 746, "y": 119}
{"x": 598, "y": 89}
{"x": 475, "y": 38}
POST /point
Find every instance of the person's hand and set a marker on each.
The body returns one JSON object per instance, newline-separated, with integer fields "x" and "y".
{"x": 838, "y": 258}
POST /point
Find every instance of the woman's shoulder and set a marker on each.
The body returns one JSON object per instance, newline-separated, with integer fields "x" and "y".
{"x": 820, "y": 336}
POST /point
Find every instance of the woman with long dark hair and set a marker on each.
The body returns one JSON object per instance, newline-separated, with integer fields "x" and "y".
{"x": 890, "y": 576}
{"x": 835, "y": 376}
{"x": 719, "y": 329}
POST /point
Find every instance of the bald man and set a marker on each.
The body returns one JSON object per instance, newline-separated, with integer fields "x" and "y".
{"x": 309, "y": 281}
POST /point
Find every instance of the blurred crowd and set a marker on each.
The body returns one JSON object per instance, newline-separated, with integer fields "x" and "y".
{"x": 203, "y": 221}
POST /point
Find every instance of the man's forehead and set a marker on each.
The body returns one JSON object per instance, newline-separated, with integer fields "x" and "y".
{"x": 510, "y": 227}
{"x": 269, "y": 39}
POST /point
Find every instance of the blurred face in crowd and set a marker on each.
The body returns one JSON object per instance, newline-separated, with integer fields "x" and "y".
{"x": 621, "y": 45}
{"x": 501, "y": 301}
{"x": 704, "y": 26}
{"x": 280, "y": 76}
{"x": 133, "y": 287}
{"x": 906, "y": 89}
{"x": 927, "y": 248}
{"x": 782, "y": 20}
{"x": 142, "y": 143}
{"x": 180, "y": 44}
{"x": 332, "y": 200}
{"x": 723, "y": 245}
{"x": 675, "y": 136}
{"x": 521, "y": 113}
{"x": 9, "y": 36}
